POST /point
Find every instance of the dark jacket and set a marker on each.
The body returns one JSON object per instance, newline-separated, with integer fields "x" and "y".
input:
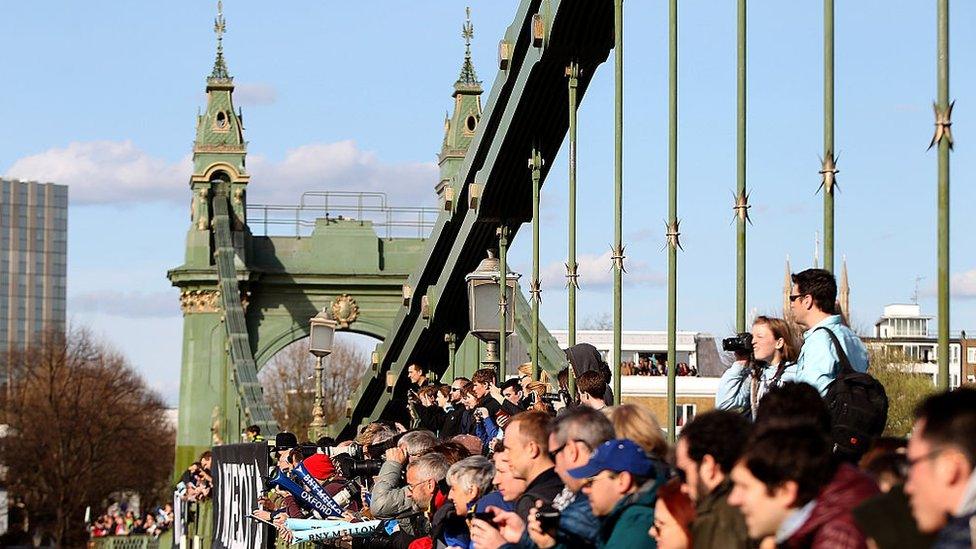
{"x": 887, "y": 519}
{"x": 585, "y": 357}
{"x": 458, "y": 421}
{"x": 431, "y": 417}
{"x": 545, "y": 486}
{"x": 831, "y": 523}
{"x": 957, "y": 534}
{"x": 577, "y": 525}
{"x": 717, "y": 524}
{"x": 627, "y": 524}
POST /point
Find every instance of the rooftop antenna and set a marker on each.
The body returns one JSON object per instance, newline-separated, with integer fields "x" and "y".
{"x": 918, "y": 278}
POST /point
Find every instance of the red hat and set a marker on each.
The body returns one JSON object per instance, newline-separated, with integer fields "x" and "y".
{"x": 319, "y": 466}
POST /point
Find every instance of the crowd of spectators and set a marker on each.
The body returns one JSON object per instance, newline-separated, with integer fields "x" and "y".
{"x": 115, "y": 522}
{"x": 196, "y": 482}
{"x": 522, "y": 463}
{"x": 654, "y": 366}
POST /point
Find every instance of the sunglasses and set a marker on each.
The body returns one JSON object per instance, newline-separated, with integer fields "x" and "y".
{"x": 794, "y": 297}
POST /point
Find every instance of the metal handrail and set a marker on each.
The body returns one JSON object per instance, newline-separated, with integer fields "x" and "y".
{"x": 367, "y": 206}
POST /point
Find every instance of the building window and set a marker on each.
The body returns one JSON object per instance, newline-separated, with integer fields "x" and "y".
{"x": 683, "y": 413}
{"x": 971, "y": 355}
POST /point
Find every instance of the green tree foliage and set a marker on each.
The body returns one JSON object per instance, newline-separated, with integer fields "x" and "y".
{"x": 82, "y": 424}
{"x": 904, "y": 387}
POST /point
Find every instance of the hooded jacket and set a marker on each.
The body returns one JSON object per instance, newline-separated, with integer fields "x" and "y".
{"x": 585, "y": 357}
{"x": 831, "y": 524}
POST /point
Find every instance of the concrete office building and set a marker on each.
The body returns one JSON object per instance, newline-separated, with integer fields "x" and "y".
{"x": 33, "y": 260}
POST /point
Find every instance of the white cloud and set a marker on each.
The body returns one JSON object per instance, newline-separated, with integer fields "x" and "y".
{"x": 126, "y": 305}
{"x": 594, "y": 271}
{"x": 249, "y": 95}
{"x": 107, "y": 172}
{"x": 964, "y": 284}
{"x": 104, "y": 172}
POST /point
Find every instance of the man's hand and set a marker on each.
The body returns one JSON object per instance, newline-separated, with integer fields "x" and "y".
{"x": 510, "y": 525}
{"x": 485, "y": 536}
{"x": 496, "y": 393}
{"x": 396, "y": 454}
{"x": 539, "y": 536}
{"x": 261, "y": 514}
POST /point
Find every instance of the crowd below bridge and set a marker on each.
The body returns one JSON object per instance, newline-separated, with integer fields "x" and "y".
{"x": 791, "y": 457}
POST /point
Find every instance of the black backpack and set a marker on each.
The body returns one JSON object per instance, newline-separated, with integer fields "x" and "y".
{"x": 858, "y": 407}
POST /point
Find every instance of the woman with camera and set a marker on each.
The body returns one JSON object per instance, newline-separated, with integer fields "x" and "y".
{"x": 771, "y": 362}
{"x": 484, "y": 426}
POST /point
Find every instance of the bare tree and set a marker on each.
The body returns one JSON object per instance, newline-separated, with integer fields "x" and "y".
{"x": 598, "y": 321}
{"x": 289, "y": 383}
{"x": 82, "y": 424}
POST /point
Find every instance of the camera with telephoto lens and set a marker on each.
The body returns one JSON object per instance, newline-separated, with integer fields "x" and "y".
{"x": 357, "y": 468}
{"x": 551, "y": 398}
{"x": 548, "y": 518}
{"x": 353, "y": 450}
{"x": 741, "y": 343}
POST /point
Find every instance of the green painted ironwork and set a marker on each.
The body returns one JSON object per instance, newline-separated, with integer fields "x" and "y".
{"x": 618, "y": 192}
{"x": 451, "y": 340}
{"x": 828, "y": 137}
{"x": 535, "y": 163}
{"x": 572, "y": 267}
{"x": 502, "y": 301}
{"x": 245, "y": 370}
{"x": 124, "y": 542}
{"x": 672, "y": 235}
{"x": 742, "y": 195}
{"x": 943, "y": 137}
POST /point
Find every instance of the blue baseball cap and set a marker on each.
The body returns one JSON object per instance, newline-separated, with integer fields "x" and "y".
{"x": 616, "y": 455}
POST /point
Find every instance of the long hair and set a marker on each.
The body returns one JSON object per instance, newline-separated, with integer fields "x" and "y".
{"x": 679, "y": 505}
{"x": 781, "y": 330}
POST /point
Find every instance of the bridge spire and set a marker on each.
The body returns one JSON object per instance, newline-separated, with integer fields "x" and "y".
{"x": 220, "y": 27}
{"x": 460, "y": 127}
{"x": 468, "y": 77}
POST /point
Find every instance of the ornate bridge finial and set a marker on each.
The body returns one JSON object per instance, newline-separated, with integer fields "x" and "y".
{"x": 220, "y": 27}
{"x": 828, "y": 173}
{"x": 617, "y": 258}
{"x": 673, "y": 233}
{"x": 468, "y": 76}
{"x": 572, "y": 275}
{"x": 943, "y": 125}
{"x": 742, "y": 206}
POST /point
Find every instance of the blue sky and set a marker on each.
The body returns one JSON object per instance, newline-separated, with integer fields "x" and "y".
{"x": 102, "y": 96}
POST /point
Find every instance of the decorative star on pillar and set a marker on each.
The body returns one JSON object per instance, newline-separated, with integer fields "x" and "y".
{"x": 828, "y": 173}
{"x": 617, "y": 258}
{"x": 943, "y": 125}
{"x": 535, "y": 288}
{"x": 741, "y": 206}
{"x": 572, "y": 275}
{"x": 673, "y": 235}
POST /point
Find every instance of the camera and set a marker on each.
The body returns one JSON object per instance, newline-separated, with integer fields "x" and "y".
{"x": 548, "y": 518}
{"x": 357, "y": 468}
{"x": 741, "y": 343}
{"x": 551, "y": 398}
{"x": 353, "y": 450}
{"x": 483, "y": 515}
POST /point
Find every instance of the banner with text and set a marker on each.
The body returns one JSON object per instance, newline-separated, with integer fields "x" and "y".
{"x": 238, "y": 481}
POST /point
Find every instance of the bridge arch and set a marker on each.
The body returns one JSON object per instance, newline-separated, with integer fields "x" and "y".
{"x": 275, "y": 342}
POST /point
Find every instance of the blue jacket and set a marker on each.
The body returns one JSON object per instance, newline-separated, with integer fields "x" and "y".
{"x": 819, "y": 364}
{"x": 486, "y": 430}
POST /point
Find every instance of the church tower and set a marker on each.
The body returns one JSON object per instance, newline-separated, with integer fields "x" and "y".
{"x": 844, "y": 293}
{"x": 459, "y": 127}
{"x": 219, "y": 153}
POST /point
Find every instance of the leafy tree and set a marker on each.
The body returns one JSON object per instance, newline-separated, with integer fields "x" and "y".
{"x": 905, "y": 388}
{"x": 289, "y": 383}
{"x": 82, "y": 424}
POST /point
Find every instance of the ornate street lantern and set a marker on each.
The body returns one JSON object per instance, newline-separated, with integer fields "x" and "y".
{"x": 321, "y": 336}
{"x": 484, "y": 307}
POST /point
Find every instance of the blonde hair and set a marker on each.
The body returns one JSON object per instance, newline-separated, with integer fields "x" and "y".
{"x": 638, "y": 424}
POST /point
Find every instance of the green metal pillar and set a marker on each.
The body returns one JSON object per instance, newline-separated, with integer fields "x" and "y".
{"x": 828, "y": 137}
{"x": 673, "y": 242}
{"x": 572, "y": 274}
{"x": 451, "y": 340}
{"x": 618, "y": 186}
{"x": 535, "y": 163}
{"x": 742, "y": 196}
{"x": 502, "y": 301}
{"x": 944, "y": 138}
